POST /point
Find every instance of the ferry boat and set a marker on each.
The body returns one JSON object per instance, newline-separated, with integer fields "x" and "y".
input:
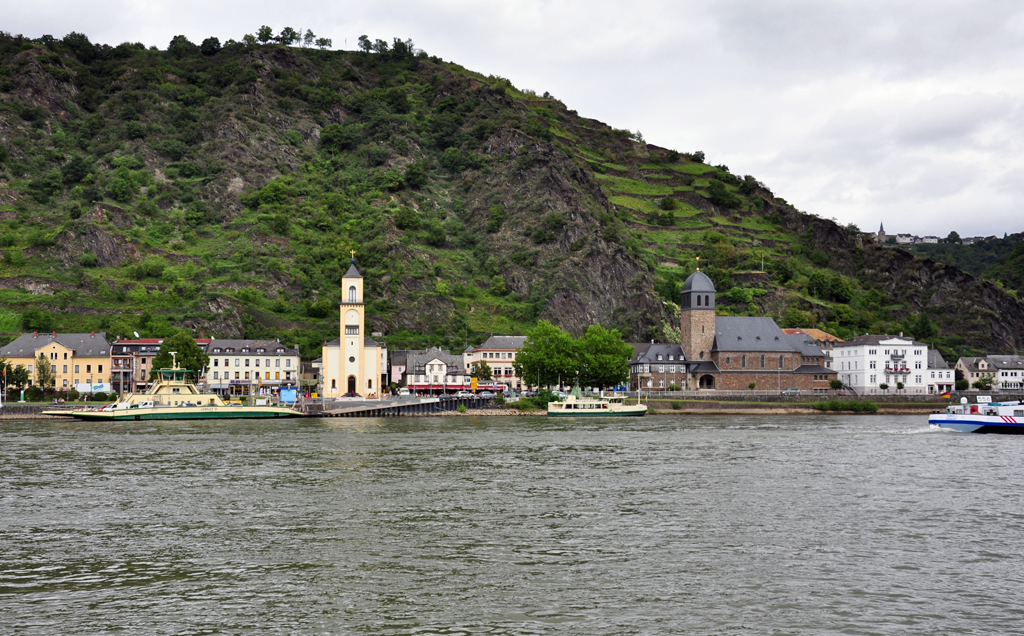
{"x": 174, "y": 397}
{"x": 984, "y": 417}
{"x": 575, "y": 405}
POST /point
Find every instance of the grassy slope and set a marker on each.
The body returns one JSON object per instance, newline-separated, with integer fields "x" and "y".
{"x": 149, "y": 190}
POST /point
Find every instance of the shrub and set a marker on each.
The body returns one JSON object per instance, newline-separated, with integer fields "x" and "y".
{"x": 854, "y": 406}
{"x": 33, "y": 394}
{"x": 88, "y": 259}
{"x": 416, "y": 175}
{"x": 677, "y": 404}
{"x": 963, "y": 385}
{"x": 461, "y": 408}
{"x": 100, "y": 397}
{"x": 836, "y": 384}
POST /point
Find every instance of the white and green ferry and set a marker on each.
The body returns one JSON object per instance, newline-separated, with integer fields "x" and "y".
{"x": 575, "y": 405}
{"x": 174, "y": 397}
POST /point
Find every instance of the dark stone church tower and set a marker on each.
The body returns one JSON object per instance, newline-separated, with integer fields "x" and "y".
{"x": 697, "y": 328}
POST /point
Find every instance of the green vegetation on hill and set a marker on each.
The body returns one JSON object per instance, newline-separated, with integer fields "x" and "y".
{"x": 222, "y": 189}
{"x": 1000, "y": 260}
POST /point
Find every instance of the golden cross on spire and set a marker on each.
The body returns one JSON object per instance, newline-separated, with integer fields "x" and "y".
{"x": 353, "y": 254}
{"x": 698, "y": 263}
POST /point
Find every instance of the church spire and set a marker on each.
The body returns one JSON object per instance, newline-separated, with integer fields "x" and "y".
{"x": 881, "y": 228}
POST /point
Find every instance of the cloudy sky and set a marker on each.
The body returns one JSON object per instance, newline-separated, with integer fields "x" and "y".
{"x": 908, "y": 112}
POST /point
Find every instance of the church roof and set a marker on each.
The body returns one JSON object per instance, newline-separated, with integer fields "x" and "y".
{"x": 744, "y": 333}
{"x": 698, "y": 282}
{"x": 352, "y": 271}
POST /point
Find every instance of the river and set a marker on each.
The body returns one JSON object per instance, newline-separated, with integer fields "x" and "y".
{"x": 507, "y": 525}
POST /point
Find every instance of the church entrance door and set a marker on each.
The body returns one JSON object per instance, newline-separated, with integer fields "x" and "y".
{"x": 707, "y": 381}
{"x": 351, "y": 384}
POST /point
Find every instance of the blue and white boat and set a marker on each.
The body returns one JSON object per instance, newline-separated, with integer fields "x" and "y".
{"x": 984, "y": 417}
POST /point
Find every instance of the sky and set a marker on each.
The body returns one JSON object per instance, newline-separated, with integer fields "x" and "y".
{"x": 908, "y": 113}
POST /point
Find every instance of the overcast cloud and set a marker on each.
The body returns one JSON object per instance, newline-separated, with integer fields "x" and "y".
{"x": 907, "y": 112}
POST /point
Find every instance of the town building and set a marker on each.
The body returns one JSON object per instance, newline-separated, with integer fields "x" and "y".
{"x": 400, "y": 364}
{"x": 251, "y": 367}
{"x": 866, "y": 362}
{"x": 975, "y": 368}
{"x": 436, "y": 371}
{"x": 498, "y": 352}
{"x": 131, "y": 362}
{"x": 1006, "y": 371}
{"x": 734, "y": 352}
{"x": 940, "y": 377}
{"x": 354, "y": 365}
{"x": 657, "y": 367}
{"x": 79, "y": 361}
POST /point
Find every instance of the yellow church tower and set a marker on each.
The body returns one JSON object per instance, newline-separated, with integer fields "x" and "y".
{"x": 352, "y": 321}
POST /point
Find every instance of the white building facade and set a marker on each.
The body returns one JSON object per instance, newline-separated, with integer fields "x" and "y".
{"x": 866, "y": 362}
{"x": 251, "y": 367}
{"x": 498, "y": 352}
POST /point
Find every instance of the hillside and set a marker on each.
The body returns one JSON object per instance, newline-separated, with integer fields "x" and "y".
{"x": 223, "y": 189}
{"x": 997, "y": 259}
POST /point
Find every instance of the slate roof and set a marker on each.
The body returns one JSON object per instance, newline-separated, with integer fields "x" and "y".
{"x": 814, "y": 368}
{"x": 418, "y": 360}
{"x": 744, "y": 333}
{"x": 805, "y": 345}
{"x": 400, "y": 356}
{"x": 85, "y": 345}
{"x": 1006, "y": 362}
{"x": 352, "y": 271}
{"x": 869, "y": 339}
{"x": 705, "y": 366}
{"x": 499, "y": 343}
{"x": 649, "y": 354}
{"x": 698, "y": 282}
{"x": 936, "y": 361}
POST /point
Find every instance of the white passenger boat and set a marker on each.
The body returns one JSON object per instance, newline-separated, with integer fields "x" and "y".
{"x": 575, "y": 405}
{"x": 174, "y": 397}
{"x": 983, "y": 417}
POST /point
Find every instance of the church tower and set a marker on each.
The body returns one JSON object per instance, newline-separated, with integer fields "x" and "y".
{"x": 352, "y": 321}
{"x": 697, "y": 318}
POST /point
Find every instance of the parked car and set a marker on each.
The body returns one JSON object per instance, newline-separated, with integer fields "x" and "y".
{"x": 403, "y": 392}
{"x": 464, "y": 394}
{"x": 530, "y": 394}
{"x": 791, "y": 391}
{"x": 486, "y": 395}
{"x": 444, "y": 397}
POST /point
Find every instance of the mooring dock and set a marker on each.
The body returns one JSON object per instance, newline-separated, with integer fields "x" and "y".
{"x": 389, "y": 408}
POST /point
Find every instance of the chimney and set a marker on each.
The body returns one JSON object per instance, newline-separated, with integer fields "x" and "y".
{"x": 901, "y": 334}
{"x": 92, "y": 335}
{"x": 35, "y": 334}
{"x": 54, "y": 334}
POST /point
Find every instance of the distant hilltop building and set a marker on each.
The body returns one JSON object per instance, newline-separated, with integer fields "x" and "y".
{"x": 901, "y": 239}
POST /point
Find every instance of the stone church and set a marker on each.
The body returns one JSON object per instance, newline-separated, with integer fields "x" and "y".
{"x": 733, "y": 352}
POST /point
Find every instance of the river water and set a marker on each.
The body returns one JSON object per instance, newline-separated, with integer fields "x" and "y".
{"x": 657, "y": 525}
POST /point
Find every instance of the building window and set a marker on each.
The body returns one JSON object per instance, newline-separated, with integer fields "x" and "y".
{"x": 99, "y": 368}
{"x": 65, "y": 368}
{"x": 288, "y": 362}
{"x": 762, "y": 361}
{"x": 334, "y": 384}
{"x": 216, "y": 362}
{"x": 277, "y": 376}
{"x": 236, "y": 375}
{"x": 277, "y": 362}
{"x": 246, "y": 375}
{"x": 65, "y": 355}
{"x": 247, "y": 362}
{"x": 352, "y": 294}
{"x": 698, "y": 300}
{"x": 215, "y": 375}
{"x": 257, "y": 362}
{"x": 743, "y": 361}
{"x": 780, "y": 362}
{"x": 237, "y": 362}
{"x": 88, "y": 368}
{"x": 76, "y": 368}
{"x": 351, "y": 330}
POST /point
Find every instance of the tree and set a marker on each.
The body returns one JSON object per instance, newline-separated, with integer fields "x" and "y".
{"x": 364, "y": 44}
{"x": 44, "y": 372}
{"x": 899, "y": 387}
{"x": 983, "y": 384}
{"x": 288, "y": 36}
{"x": 482, "y": 371}
{"x": 548, "y": 356}
{"x": 953, "y": 238}
{"x": 498, "y": 286}
{"x": 963, "y": 385}
{"x": 189, "y": 355}
{"x": 836, "y": 384}
{"x": 265, "y": 34}
{"x": 603, "y": 358}
{"x": 210, "y": 46}
{"x": 308, "y": 39}
{"x": 883, "y": 386}
{"x": 323, "y": 43}
{"x": 181, "y": 46}
{"x": 752, "y": 386}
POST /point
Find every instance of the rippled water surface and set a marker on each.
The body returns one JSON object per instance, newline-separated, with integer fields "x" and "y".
{"x": 658, "y": 525}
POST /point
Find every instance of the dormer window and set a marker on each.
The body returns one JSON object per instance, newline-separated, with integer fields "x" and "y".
{"x": 659, "y": 356}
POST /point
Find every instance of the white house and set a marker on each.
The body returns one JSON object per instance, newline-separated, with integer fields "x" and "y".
{"x": 866, "y": 362}
{"x": 251, "y": 367}
{"x": 498, "y": 352}
{"x": 940, "y": 377}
